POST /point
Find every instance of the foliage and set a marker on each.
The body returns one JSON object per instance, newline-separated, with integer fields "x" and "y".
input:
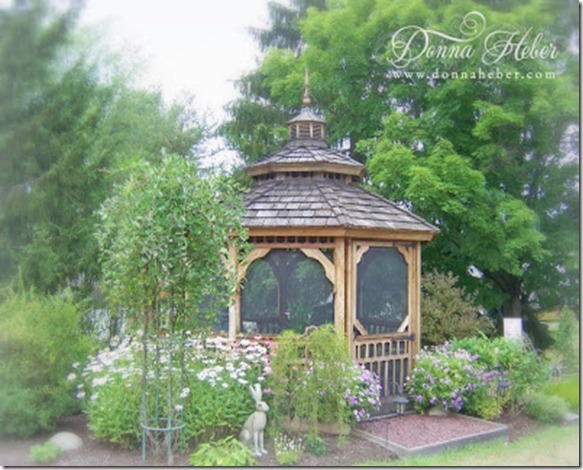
{"x": 288, "y": 449}
{"x": 227, "y": 452}
{"x": 46, "y": 453}
{"x": 214, "y": 396}
{"x": 313, "y": 379}
{"x": 567, "y": 388}
{"x": 447, "y": 311}
{"x": 521, "y": 365}
{"x": 455, "y": 380}
{"x": 491, "y": 162}
{"x": 567, "y": 339}
{"x": 40, "y": 338}
{"x": 70, "y": 127}
{"x": 315, "y": 445}
{"x": 546, "y": 408}
{"x": 463, "y": 375}
{"x": 164, "y": 237}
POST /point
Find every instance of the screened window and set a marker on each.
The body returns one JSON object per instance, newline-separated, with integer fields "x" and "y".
{"x": 285, "y": 290}
{"x": 382, "y": 290}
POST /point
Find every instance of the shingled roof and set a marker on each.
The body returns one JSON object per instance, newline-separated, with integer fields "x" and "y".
{"x": 299, "y": 153}
{"x": 307, "y": 184}
{"x": 325, "y": 203}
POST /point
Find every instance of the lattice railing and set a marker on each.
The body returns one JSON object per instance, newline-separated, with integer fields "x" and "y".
{"x": 388, "y": 357}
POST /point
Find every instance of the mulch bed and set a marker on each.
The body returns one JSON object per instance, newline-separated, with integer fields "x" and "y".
{"x": 350, "y": 451}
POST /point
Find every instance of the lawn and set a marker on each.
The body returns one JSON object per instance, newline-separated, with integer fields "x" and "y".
{"x": 567, "y": 388}
{"x": 553, "y": 446}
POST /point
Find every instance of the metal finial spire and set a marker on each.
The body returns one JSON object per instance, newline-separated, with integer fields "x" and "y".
{"x": 307, "y": 101}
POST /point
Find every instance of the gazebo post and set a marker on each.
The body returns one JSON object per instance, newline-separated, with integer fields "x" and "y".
{"x": 235, "y": 303}
{"x": 339, "y": 287}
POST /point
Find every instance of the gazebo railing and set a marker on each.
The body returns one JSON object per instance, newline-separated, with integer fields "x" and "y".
{"x": 387, "y": 356}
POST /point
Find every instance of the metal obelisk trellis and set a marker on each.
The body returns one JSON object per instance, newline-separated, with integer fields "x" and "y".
{"x": 162, "y": 415}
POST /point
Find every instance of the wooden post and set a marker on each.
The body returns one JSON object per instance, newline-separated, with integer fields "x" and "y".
{"x": 415, "y": 324}
{"x": 235, "y": 304}
{"x": 339, "y": 287}
{"x": 350, "y": 295}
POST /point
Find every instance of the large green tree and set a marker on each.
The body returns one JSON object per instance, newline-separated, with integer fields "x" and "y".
{"x": 70, "y": 126}
{"x": 492, "y": 160}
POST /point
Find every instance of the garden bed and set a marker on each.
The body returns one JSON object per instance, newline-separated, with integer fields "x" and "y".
{"x": 414, "y": 434}
{"x": 96, "y": 453}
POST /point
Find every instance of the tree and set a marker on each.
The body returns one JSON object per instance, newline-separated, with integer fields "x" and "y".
{"x": 70, "y": 127}
{"x": 163, "y": 237}
{"x": 258, "y": 124}
{"x": 512, "y": 237}
{"x": 448, "y": 312}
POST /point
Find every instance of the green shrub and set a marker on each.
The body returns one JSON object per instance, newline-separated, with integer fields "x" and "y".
{"x": 214, "y": 394}
{"x": 447, "y": 311}
{"x": 44, "y": 453}
{"x": 546, "y": 408}
{"x": 40, "y": 338}
{"x": 315, "y": 445}
{"x": 227, "y": 452}
{"x": 314, "y": 380}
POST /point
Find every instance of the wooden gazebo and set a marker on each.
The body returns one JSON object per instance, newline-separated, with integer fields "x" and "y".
{"x": 327, "y": 250}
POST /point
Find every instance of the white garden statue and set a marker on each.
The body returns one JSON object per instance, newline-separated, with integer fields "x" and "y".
{"x": 254, "y": 427}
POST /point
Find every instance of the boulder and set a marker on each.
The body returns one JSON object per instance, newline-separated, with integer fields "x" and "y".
{"x": 67, "y": 441}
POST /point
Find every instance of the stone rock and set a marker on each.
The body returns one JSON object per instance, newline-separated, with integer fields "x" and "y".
{"x": 67, "y": 441}
{"x": 571, "y": 418}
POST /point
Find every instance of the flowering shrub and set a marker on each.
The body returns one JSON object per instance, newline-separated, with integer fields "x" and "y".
{"x": 464, "y": 375}
{"x": 444, "y": 377}
{"x": 456, "y": 380}
{"x": 314, "y": 380}
{"x": 213, "y": 397}
{"x": 520, "y": 363}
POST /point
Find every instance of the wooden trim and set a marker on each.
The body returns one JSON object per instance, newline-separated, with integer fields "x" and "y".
{"x": 255, "y": 254}
{"x": 344, "y": 232}
{"x": 339, "y": 287}
{"x": 325, "y": 262}
{"x": 360, "y": 326}
{"x": 261, "y": 169}
{"x": 403, "y": 326}
{"x": 360, "y": 251}
{"x": 288, "y": 246}
{"x": 406, "y": 252}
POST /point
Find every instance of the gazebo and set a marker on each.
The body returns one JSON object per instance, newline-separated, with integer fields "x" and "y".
{"x": 325, "y": 250}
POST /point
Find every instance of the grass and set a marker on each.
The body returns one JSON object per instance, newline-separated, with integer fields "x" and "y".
{"x": 552, "y": 447}
{"x": 568, "y": 389}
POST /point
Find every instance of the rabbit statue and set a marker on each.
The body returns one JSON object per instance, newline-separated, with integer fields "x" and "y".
{"x": 253, "y": 428}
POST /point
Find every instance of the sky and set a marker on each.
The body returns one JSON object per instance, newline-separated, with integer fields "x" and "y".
{"x": 197, "y": 46}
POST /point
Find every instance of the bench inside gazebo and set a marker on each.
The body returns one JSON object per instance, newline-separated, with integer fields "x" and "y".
{"x": 325, "y": 250}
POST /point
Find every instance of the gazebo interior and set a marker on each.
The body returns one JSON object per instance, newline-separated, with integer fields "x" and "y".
{"x": 325, "y": 250}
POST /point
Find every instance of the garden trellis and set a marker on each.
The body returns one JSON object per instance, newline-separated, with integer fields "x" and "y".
{"x": 325, "y": 250}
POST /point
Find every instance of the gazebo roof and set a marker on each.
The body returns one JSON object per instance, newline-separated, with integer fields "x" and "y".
{"x": 326, "y": 203}
{"x": 299, "y": 154}
{"x": 307, "y": 184}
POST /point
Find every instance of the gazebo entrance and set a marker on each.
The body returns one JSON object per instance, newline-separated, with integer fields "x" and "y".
{"x": 325, "y": 250}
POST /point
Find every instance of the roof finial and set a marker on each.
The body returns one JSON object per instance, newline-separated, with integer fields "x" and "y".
{"x": 307, "y": 101}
